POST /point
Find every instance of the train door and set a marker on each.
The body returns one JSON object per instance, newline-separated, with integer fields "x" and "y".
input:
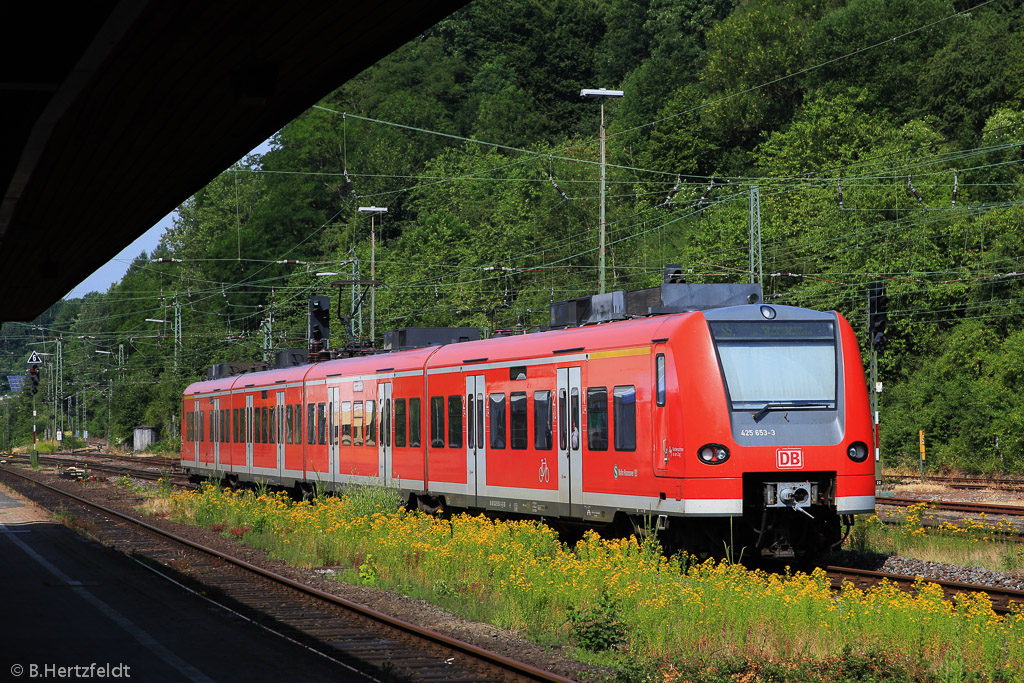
{"x": 476, "y": 437}
{"x": 333, "y": 452}
{"x": 215, "y": 423}
{"x": 570, "y": 444}
{"x": 659, "y": 418}
{"x": 384, "y": 444}
{"x": 280, "y": 433}
{"x": 195, "y": 431}
{"x": 249, "y": 432}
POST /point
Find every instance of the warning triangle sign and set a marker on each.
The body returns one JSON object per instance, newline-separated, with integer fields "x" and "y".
{"x": 34, "y": 359}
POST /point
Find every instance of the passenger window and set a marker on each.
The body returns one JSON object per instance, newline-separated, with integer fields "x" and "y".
{"x": 289, "y": 435}
{"x": 414, "y": 422}
{"x": 400, "y": 422}
{"x": 346, "y": 423}
{"x": 332, "y": 423}
{"x": 256, "y": 425}
{"x": 542, "y": 420}
{"x": 497, "y": 417}
{"x": 597, "y": 419}
{"x": 357, "y": 424}
{"x": 455, "y": 421}
{"x": 625, "y": 418}
{"x": 298, "y": 423}
{"x": 371, "y": 426}
{"x": 479, "y": 420}
{"x": 272, "y": 427}
{"x": 321, "y": 423}
{"x": 311, "y": 423}
{"x": 517, "y": 415}
{"x": 437, "y": 421}
{"x": 574, "y": 418}
{"x": 563, "y": 420}
{"x": 659, "y": 379}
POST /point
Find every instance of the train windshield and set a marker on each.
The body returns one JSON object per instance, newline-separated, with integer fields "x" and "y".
{"x": 779, "y": 365}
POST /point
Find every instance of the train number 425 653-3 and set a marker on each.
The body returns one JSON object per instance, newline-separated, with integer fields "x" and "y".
{"x": 757, "y": 432}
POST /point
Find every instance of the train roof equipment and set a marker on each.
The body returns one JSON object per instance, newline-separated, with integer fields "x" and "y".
{"x": 672, "y": 296}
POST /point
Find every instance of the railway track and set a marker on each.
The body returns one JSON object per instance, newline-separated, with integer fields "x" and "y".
{"x": 356, "y": 636}
{"x": 1002, "y": 598}
{"x": 78, "y": 466}
{"x": 956, "y": 506}
{"x": 969, "y": 483}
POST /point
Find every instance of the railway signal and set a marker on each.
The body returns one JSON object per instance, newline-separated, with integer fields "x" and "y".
{"x": 319, "y": 319}
{"x": 34, "y": 361}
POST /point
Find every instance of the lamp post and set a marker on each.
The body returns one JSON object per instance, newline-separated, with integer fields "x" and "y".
{"x": 601, "y": 94}
{"x": 373, "y": 211}
{"x": 110, "y": 395}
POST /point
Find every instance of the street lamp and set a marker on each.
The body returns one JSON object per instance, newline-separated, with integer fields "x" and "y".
{"x": 601, "y": 94}
{"x": 373, "y": 211}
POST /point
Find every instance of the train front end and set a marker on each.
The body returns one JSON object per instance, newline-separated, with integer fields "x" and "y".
{"x": 780, "y": 436}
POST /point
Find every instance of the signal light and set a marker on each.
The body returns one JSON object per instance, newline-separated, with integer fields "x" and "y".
{"x": 33, "y": 375}
{"x": 878, "y": 315}
{"x": 319, "y": 319}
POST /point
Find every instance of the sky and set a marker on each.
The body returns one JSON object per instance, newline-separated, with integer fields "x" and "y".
{"x": 114, "y": 269}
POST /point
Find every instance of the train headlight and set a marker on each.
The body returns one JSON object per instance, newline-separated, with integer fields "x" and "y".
{"x": 713, "y": 454}
{"x": 857, "y": 451}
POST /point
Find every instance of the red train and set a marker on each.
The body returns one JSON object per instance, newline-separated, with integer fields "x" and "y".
{"x": 748, "y": 423}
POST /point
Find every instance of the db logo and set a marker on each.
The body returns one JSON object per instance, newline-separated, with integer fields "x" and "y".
{"x": 789, "y": 458}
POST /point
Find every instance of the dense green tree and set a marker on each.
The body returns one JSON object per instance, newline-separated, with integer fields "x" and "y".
{"x": 855, "y": 119}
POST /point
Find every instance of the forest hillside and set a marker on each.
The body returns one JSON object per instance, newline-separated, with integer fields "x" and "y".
{"x": 881, "y": 138}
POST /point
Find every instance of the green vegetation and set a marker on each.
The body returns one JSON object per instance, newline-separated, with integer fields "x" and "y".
{"x": 916, "y": 532}
{"x": 885, "y": 139}
{"x": 622, "y": 603}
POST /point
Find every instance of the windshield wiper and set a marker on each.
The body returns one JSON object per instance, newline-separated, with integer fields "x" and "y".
{"x": 785, "y": 405}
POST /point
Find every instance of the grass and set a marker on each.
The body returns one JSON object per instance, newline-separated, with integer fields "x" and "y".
{"x": 975, "y": 542}
{"x": 649, "y": 616}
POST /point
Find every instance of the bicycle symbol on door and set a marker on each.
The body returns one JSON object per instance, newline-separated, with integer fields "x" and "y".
{"x": 544, "y": 472}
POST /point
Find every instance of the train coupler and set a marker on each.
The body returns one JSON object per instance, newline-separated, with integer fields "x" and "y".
{"x": 794, "y": 495}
